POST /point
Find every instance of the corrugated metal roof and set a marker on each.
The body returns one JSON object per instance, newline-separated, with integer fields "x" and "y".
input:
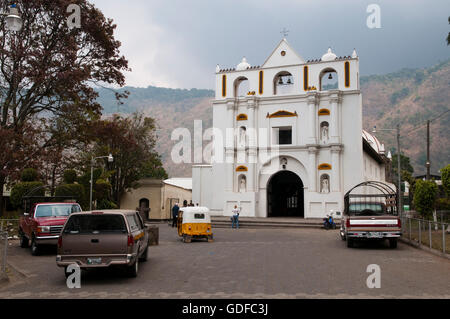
{"x": 183, "y": 182}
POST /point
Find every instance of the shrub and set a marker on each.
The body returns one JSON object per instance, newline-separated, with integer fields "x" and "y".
{"x": 23, "y": 188}
{"x": 76, "y": 191}
{"x": 29, "y": 175}
{"x": 425, "y": 193}
{"x": 106, "y": 204}
{"x": 102, "y": 189}
{"x": 69, "y": 176}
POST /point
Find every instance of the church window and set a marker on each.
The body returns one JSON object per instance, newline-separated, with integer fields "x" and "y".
{"x": 283, "y": 83}
{"x": 347, "y": 74}
{"x": 283, "y": 135}
{"x": 328, "y": 80}
{"x": 305, "y": 78}
{"x": 241, "y": 87}
{"x": 261, "y": 83}
{"x": 224, "y": 85}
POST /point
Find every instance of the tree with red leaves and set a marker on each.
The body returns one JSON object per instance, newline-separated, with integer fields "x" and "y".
{"x": 48, "y": 70}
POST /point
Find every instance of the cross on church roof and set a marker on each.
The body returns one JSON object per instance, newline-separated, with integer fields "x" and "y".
{"x": 284, "y": 32}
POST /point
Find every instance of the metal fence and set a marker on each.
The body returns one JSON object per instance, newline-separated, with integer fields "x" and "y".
{"x": 3, "y": 253}
{"x": 428, "y": 233}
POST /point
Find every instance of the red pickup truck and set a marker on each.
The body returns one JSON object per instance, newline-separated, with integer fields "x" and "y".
{"x": 43, "y": 224}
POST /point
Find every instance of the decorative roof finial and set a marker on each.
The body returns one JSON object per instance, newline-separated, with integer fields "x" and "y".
{"x": 284, "y": 32}
{"x": 354, "y": 55}
{"x": 217, "y": 68}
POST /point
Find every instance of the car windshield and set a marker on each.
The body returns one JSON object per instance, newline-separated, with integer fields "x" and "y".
{"x": 366, "y": 209}
{"x": 95, "y": 224}
{"x": 56, "y": 210}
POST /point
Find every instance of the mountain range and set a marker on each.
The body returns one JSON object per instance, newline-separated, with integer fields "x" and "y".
{"x": 409, "y": 97}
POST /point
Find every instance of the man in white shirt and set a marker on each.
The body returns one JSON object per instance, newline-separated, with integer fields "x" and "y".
{"x": 235, "y": 218}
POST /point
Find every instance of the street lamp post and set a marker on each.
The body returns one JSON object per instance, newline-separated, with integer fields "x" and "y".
{"x": 110, "y": 160}
{"x": 399, "y": 181}
{"x": 12, "y": 18}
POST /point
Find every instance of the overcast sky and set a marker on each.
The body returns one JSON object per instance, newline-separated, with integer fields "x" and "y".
{"x": 177, "y": 43}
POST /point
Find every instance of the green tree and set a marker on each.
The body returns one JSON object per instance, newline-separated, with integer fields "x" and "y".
{"x": 70, "y": 176}
{"x": 131, "y": 140}
{"x": 448, "y": 36}
{"x": 425, "y": 194}
{"x": 72, "y": 189}
{"x": 29, "y": 182}
{"x": 445, "y": 173}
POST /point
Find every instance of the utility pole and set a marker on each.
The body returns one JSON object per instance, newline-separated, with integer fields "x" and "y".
{"x": 428, "y": 163}
{"x": 399, "y": 173}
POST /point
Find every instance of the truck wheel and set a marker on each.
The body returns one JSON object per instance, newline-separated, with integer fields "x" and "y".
{"x": 393, "y": 243}
{"x": 35, "y": 250}
{"x": 24, "y": 242}
{"x": 349, "y": 243}
{"x": 132, "y": 270}
{"x": 144, "y": 255}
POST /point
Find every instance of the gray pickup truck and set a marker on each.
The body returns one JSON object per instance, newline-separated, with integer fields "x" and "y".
{"x": 102, "y": 239}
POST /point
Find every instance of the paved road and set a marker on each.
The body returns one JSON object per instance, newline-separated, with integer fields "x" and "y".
{"x": 246, "y": 263}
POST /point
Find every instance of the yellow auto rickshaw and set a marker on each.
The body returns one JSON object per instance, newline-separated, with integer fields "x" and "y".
{"x": 194, "y": 222}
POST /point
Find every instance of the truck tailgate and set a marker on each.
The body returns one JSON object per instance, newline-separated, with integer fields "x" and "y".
{"x": 94, "y": 244}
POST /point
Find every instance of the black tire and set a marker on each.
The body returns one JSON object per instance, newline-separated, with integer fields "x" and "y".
{"x": 133, "y": 269}
{"x": 144, "y": 255}
{"x": 334, "y": 226}
{"x": 35, "y": 249}
{"x": 24, "y": 242}
{"x": 349, "y": 243}
{"x": 393, "y": 243}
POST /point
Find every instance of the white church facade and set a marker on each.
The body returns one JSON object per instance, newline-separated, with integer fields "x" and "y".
{"x": 296, "y": 144}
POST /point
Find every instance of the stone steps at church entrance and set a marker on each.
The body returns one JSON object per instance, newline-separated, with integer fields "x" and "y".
{"x": 271, "y": 222}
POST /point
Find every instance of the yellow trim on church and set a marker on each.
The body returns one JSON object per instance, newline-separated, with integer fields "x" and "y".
{"x": 324, "y": 112}
{"x": 324, "y": 166}
{"x": 242, "y": 117}
{"x": 282, "y": 113}
{"x": 242, "y": 168}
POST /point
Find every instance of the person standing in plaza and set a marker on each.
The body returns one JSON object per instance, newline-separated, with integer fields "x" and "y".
{"x": 235, "y": 217}
{"x": 175, "y": 210}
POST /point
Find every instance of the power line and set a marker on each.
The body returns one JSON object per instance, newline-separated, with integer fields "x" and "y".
{"x": 425, "y": 123}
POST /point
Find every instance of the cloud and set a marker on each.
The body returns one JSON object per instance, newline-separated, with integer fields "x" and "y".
{"x": 178, "y": 43}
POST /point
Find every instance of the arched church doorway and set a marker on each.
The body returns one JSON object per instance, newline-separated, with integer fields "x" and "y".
{"x": 285, "y": 196}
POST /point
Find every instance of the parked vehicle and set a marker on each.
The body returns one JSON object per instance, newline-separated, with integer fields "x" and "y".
{"x": 99, "y": 239}
{"x": 328, "y": 222}
{"x": 194, "y": 222}
{"x": 42, "y": 224}
{"x": 371, "y": 214}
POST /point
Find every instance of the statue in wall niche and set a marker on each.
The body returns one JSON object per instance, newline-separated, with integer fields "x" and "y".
{"x": 325, "y": 185}
{"x": 242, "y": 185}
{"x": 324, "y": 132}
{"x": 242, "y": 136}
